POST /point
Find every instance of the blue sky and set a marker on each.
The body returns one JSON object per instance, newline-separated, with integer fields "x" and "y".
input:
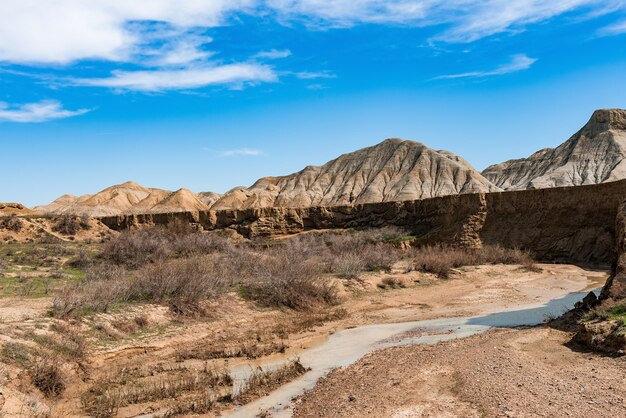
{"x": 212, "y": 94}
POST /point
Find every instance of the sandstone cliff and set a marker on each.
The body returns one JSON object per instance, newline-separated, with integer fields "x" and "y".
{"x": 394, "y": 170}
{"x": 595, "y": 154}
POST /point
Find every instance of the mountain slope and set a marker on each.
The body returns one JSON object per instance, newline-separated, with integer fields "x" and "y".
{"x": 128, "y": 197}
{"x": 393, "y": 170}
{"x": 595, "y": 154}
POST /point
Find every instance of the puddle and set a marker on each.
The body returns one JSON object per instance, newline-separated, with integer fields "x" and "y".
{"x": 347, "y": 346}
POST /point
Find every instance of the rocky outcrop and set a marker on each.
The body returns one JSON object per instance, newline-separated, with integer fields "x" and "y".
{"x": 394, "y": 170}
{"x": 8, "y": 209}
{"x": 595, "y": 154}
{"x": 123, "y": 198}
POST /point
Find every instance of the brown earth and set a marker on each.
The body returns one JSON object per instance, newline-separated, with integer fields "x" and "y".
{"x": 8, "y": 209}
{"x": 168, "y": 344}
{"x": 502, "y": 373}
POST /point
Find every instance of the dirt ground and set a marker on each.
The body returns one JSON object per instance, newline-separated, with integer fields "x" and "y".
{"x": 510, "y": 373}
{"x": 239, "y": 332}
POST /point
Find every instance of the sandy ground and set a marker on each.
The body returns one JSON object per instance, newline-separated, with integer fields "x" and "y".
{"x": 234, "y": 323}
{"x": 510, "y": 373}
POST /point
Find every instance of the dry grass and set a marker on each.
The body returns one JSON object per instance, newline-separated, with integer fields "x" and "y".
{"x": 441, "y": 259}
{"x": 46, "y": 375}
{"x": 262, "y": 382}
{"x": 107, "y": 396}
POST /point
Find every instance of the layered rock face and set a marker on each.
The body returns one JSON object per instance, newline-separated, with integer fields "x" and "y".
{"x": 128, "y": 197}
{"x": 394, "y": 170}
{"x": 595, "y": 154}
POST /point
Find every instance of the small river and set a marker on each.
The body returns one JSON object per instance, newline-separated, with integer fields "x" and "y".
{"x": 347, "y": 346}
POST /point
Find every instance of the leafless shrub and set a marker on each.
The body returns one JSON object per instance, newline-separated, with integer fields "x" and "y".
{"x": 182, "y": 283}
{"x": 283, "y": 279}
{"x": 13, "y": 223}
{"x": 71, "y": 224}
{"x": 440, "y": 259}
{"x": 347, "y": 265}
{"x": 46, "y": 375}
{"x": 391, "y": 283}
{"x": 104, "y": 271}
{"x": 136, "y": 248}
{"x": 91, "y": 296}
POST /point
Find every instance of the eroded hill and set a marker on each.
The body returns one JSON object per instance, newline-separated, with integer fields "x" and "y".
{"x": 593, "y": 155}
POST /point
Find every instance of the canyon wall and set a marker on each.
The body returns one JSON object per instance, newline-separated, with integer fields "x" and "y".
{"x": 568, "y": 224}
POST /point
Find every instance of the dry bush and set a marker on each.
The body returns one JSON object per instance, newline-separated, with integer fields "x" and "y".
{"x": 380, "y": 257}
{"x": 90, "y": 296}
{"x": 46, "y": 375}
{"x": 182, "y": 283}
{"x": 71, "y": 224}
{"x": 347, "y": 265}
{"x": 283, "y": 279}
{"x": 200, "y": 243}
{"x": 104, "y": 271}
{"x": 13, "y": 224}
{"x": 391, "y": 283}
{"x": 440, "y": 259}
{"x": 135, "y": 248}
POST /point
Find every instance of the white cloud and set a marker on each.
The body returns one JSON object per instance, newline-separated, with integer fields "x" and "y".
{"x": 36, "y": 112}
{"x": 246, "y": 152}
{"x": 273, "y": 54}
{"x": 518, "y": 62}
{"x": 185, "y": 78}
{"x": 63, "y": 31}
{"x": 466, "y": 20}
{"x": 615, "y": 29}
{"x": 351, "y": 12}
{"x": 310, "y": 75}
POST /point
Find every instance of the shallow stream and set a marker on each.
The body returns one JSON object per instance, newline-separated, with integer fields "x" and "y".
{"x": 347, "y": 346}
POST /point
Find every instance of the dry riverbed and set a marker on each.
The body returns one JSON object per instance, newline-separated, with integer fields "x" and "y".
{"x": 240, "y": 335}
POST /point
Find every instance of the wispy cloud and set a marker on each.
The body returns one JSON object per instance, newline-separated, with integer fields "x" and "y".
{"x": 273, "y": 54}
{"x": 311, "y": 75}
{"x": 36, "y": 112}
{"x": 618, "y": 28}
{"x": 241, "y": 152}
{"x": 236, "y": 75}
{"x": 518, "y": 62}
{"x": 62, "y": 32}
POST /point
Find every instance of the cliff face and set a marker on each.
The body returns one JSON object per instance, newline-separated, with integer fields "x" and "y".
{"x": 573, "y": 224}
{"x": 394, "y": 170}
{"x": 595, "y": 154}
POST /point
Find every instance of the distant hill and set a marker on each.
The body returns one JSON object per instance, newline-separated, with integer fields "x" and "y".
{"x": 595, "y": 154}
{"x": 128, "y": 197}
{"x": 393, "y": 170}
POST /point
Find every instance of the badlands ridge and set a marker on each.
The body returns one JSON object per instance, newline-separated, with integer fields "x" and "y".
{"x": 394, "y": 170}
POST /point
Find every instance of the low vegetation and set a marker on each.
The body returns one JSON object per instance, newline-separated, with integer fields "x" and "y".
{"x": 182, "y": 268}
